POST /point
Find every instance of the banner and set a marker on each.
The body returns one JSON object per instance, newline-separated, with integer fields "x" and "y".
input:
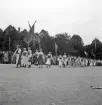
{"x": 85, "y": 53}
{"x": 56, "y": 48}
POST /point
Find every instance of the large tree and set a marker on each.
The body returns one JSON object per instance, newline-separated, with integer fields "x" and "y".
{"x": 77, "y": 43}
{"x": 47, "y": 42}
{"x": 96, "y": 46}
{"x": 63, "y": 41}
{"x": 11, "y": 37}
{"x": 1, "y": 39}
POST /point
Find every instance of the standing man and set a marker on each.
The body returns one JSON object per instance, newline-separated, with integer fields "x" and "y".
{"x": 29, "y": 57}
{"x": 18, "y": 53}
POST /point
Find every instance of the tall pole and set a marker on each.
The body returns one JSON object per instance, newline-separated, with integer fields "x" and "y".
{"x": 9, "y": 42}
{"x": 39, "y": 45}
{"x": 95, "y": 49}
{"x": 34, "y": 25}
{"x": 55, "y": 50}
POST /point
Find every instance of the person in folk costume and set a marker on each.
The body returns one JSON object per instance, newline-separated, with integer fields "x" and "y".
{"x": 76, "y": 62}
{"x": 94, "y": 62}
{"x": 60, "y": 61}
{"x": 22, "y": 62}
{"x": 48, "y": 61}
{"x": 40, "y": 58}
{"x": 91, "y": 62}
{"x": 6, "y": 57}
{"x": 35, "y": 57}
{"x": 29, "y": 57}
{"x": 86, "y": 62}
{"x": 64, "y": 60}
{"x": 69, "y": 61}
{"x": 25, "y": 57}
{"x": 18, "y": 56}
{"x": 72, "y": 61}
{"x": 83, "y": 62}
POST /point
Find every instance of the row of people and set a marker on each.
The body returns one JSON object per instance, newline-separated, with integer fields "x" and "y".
{"x": 5, "y": 57}
{"x": 24, "y": 58}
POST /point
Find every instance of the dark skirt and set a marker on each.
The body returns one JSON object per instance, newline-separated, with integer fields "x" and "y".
{"x": 30, "y": 59}
{"x": 40, "y": 60}
{"x": 19, "y": 61}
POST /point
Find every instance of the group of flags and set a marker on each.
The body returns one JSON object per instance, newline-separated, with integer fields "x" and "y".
{"x": 34, "y": 37}
{"x": 31, "y": 36}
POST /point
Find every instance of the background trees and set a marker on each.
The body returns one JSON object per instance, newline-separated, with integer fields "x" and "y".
{"x": 72, "y": 45}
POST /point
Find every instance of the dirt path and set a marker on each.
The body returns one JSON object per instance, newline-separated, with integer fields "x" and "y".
{"x": 34, "y": 86}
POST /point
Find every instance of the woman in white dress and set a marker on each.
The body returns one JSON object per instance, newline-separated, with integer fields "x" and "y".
{"x": 25, "y": 57}
{"x": 60, "y": 61}
{"x": 48, "y": 61}
{"x": 65, "y": 60}
{"x": 29, "y": 57}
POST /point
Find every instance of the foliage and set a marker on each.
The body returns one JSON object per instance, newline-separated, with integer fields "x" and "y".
{"x": 66, "y": 44}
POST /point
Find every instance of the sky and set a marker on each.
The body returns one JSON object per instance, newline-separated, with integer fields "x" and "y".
{"x": 82, "y": 17}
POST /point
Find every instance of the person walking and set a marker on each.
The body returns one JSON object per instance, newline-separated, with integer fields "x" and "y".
{"x": 25, "y": 57}
{"x": 40, "y": 58}
{"x": 29, "y": 57}
{"x": 18, "y": 54}
{"x": 48, "y": 61}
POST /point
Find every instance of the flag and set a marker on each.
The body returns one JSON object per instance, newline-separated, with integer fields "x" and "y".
{"x": 85, "y": 53}
{"x": 56, "y": 47}
{"x": 28, "y": 38}
{"x": 93, "y": 54}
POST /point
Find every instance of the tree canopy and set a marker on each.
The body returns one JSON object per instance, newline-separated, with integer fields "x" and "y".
{"x": 72, "y": 45}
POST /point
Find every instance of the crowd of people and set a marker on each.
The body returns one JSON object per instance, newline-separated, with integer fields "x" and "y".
{"x": 5, "y": 57}
{"x": 25, "y": 58}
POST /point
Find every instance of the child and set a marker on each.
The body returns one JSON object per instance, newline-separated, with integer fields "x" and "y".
{"x": 60, "y": 60}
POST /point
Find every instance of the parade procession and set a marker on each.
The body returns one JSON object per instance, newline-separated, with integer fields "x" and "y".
{"x": 50, "y": 52}
{"x": 24, "y": 56}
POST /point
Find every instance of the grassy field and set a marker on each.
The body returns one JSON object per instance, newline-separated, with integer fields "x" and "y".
{"x": 62, "y": 86}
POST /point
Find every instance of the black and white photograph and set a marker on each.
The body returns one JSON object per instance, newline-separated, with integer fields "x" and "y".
{"x": 50, "y": 52}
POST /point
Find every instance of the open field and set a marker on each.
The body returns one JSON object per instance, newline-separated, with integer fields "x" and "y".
{"x": 62, "y": 86}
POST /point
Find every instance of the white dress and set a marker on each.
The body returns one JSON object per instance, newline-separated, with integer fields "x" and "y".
{"x": 25, "y": 57}
{"x": 60, "y": 61}
{"x": 29, "y": 57}
{"x": 48, "y": 61}
{"x": 65, "y": 60}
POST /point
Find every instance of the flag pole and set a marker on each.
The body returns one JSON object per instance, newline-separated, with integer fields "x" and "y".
{"x": 56, "y": 53}
{"x": 55, "y": 49}
{"x": 95, "y": 49}
{"x": 9, "y": 42}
